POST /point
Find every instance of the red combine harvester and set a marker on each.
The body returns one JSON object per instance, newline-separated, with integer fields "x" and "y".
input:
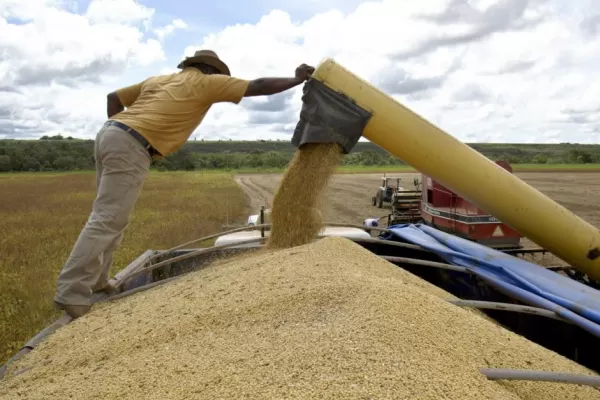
{"x": 441, "y": 208}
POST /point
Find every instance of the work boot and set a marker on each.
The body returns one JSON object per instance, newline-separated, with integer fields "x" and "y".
{"x": 75, "y": 311}
{"x": 109, "y": 288}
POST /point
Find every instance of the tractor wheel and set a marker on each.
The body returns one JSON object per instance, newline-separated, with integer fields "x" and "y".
{"x": 380, "y": 203}
{"x": 374, "y": 200}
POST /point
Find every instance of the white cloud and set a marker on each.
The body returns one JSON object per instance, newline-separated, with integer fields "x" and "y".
{"x": 170, "y": 28}
{"x": 484, "y": 70}
{"x": 126, "y": 12}
{"x": 493, "y": 70}
{"x": 53, "y": 55}
{"x": 25, "y": 10}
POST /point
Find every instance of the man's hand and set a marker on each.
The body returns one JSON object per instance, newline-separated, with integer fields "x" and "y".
{"x": 303, "y": 72}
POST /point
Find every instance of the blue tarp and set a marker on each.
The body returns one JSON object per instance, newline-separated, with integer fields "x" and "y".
{"x": 528, "y": 282}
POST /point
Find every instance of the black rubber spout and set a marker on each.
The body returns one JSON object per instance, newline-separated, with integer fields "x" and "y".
{"x": 329, "y": 117}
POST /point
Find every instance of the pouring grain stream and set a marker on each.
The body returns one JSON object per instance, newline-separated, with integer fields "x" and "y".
{"x": 295, "y": 216}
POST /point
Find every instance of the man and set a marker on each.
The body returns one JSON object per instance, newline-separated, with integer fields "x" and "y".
{"x": 161, "y": 113}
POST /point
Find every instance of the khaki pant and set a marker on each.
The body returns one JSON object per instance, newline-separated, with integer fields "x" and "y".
{"x": 122, "y": 165}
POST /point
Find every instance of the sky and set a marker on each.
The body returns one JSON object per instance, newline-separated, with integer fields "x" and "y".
{"x": 513, "y": 71}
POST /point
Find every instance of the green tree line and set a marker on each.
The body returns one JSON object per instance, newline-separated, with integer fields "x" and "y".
{"x": 57, "y": 153}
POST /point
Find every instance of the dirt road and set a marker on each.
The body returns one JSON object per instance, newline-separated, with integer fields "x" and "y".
{"x": 348, "y": 197}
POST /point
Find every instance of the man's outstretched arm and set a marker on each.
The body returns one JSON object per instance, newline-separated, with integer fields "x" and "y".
{"x": 269, "y": 86}
{"x": 223, "y": 88}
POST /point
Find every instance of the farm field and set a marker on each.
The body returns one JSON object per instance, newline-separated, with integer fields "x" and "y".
{"x": 42, "y": 215}
{"x": 349, "y": 196}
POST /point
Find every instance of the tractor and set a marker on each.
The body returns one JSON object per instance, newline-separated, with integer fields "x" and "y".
{"x": 386, "y": 191}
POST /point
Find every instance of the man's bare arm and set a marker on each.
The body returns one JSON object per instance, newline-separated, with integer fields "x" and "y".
{"x": 113, "y": 104}
{"x": 269, "y": 86}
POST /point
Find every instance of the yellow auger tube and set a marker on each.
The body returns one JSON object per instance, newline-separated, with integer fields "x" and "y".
{"x": 468, "y": 173}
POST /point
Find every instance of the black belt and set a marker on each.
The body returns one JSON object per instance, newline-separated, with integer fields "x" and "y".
{"x": 151, "y": 150}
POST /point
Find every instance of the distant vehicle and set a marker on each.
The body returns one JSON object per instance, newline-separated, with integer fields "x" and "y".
{"x": 386, "y": 191}
{"x": 252, "y": 220}
{"x": 256, "y": 219}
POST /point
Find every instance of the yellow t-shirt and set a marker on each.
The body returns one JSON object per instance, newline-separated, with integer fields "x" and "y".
{"x": 166, "y": 109}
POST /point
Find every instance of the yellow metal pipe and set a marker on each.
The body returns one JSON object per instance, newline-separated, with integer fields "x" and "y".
{"x": 468, "y": 173}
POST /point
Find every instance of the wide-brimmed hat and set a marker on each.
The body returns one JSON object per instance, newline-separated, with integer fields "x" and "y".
{"x": 208, "y": 57}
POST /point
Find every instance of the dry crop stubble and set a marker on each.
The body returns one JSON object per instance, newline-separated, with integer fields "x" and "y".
{"x": 42, "y": 216}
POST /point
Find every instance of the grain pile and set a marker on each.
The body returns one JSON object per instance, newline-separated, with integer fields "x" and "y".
{"x": 324, "y": 320}
{"x": 295, "y": 215}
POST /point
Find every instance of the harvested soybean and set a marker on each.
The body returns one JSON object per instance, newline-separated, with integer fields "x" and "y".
{"x": 296, "y": 216}
{"x": 326, "y": 320}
